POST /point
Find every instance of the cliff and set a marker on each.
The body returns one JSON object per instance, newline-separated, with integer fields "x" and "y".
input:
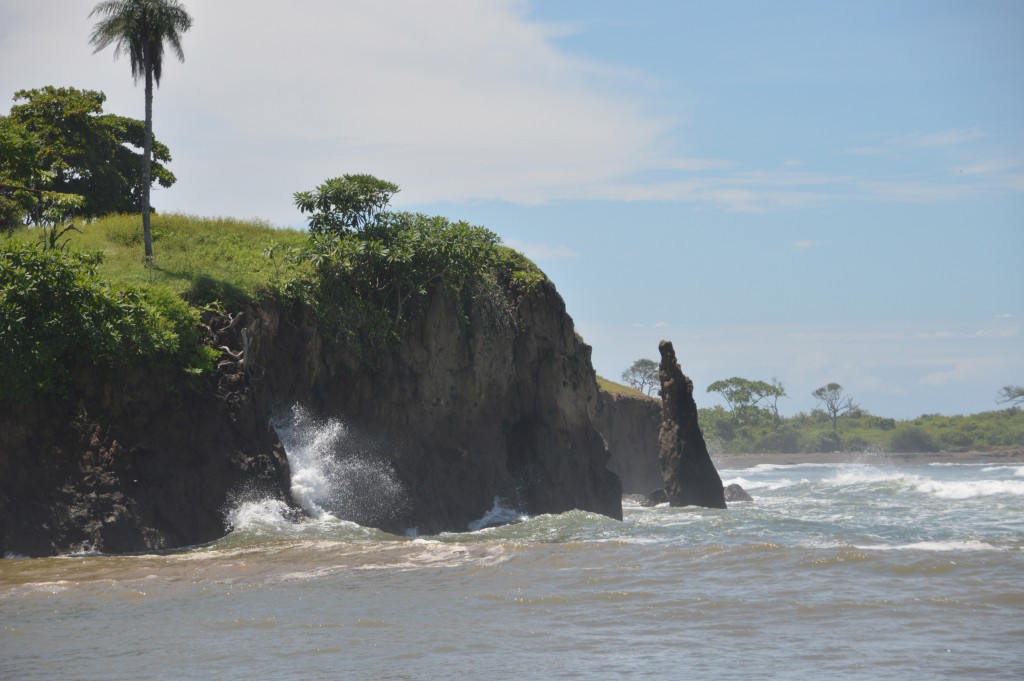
{"x": 690, "y": 476}
{"x": 630, "y": 426}
{"x": 470, "y": 407}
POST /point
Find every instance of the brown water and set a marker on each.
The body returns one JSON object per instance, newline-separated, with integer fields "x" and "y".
{"x": 849, "y": 572}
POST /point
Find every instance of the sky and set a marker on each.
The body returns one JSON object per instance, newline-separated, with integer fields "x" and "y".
{"x": 810, "y": 191}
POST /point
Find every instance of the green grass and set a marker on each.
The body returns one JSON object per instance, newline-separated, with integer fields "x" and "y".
{"x": 614, "y": 388}
{"x": 204, "y": 260}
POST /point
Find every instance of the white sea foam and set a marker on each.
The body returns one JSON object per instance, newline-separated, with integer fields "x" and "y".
{"x": 968, "y": 489}
{"x": 970, "y": 545}
{"x": 271, "y": 515}
{"x": 770, "y": 485}
{"x": 1018, "y": 471}
{"x": 499, "y": 514}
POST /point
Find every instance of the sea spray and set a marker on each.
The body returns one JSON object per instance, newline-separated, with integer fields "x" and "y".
{"x": 336, "y": 474}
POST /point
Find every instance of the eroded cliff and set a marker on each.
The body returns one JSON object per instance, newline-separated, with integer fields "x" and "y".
{"x": 472, "y": 406}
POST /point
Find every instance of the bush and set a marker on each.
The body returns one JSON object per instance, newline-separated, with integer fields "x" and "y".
{"x": 57, "y": 315}
{"x": 912, "y": 439}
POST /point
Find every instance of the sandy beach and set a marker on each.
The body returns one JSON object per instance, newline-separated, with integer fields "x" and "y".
{"x": 734, "y": 461}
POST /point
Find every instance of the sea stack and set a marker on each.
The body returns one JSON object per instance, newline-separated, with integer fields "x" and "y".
{"x": 689, "y": 476}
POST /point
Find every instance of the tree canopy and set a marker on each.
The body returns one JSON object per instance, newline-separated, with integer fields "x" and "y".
{"x": 1011, "y": 394}
{"x": 59, "y": 140}
{"x": 643, "y": 375}
{"x": 835, "y": 401}
{"x": 346, "y": 204}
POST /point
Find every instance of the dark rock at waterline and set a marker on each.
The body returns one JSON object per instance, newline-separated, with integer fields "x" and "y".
{"x": 135, "y": 462}
{"x": 654, "y": 498}
{"x": 734, "y": 492}
{"x": 690, "y": 477}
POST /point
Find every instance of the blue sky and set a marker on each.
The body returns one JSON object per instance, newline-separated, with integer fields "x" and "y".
{"x": 813, "y": 191}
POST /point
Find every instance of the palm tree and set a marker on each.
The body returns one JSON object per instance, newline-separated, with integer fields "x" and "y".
{"x": 140, "y": 28}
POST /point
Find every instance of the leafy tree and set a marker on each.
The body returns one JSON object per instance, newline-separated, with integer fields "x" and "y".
{"x": 643, "y": 375}
{"x": 346, "y": 204}
{"x": 77, "y": 149}
{"x": 745, "y": 397}
{"x": 1011, "y": 394}
{"x": 140, "y": 28}
{"x": 22, "y": 198}
{"x": 835, "y": 401}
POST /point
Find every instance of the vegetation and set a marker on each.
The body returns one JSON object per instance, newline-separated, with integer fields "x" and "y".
{"x": 642, "y": 375}
{"x": 613, "y": 388}
{"x": 59, "y": 317}
{"x": 747, "y": 399}
{"x": 373, "y": 268}
{"x": 857, "y": 430}
{"x": 1012, "y": 395}
{"x": 836, "y": 403}
{"x": 59, "y": 140}
{"x": 140, "y": 28}
{"x": 345, "y": 204}
{"x": 365, "y": 286}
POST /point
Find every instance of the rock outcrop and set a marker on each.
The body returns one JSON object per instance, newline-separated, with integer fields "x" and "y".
{"x": 689, "y": 475}
{"x": 471, "y": 407}
{"x": 135, "y": 462}
{"x": 630, "y": 425}
{"x": 733, "y": 492}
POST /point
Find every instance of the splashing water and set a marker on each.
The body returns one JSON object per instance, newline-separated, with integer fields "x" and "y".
{"x": 334, "y": 476}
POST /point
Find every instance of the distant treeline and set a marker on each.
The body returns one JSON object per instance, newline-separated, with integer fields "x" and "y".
{"x": 858, "y": 430}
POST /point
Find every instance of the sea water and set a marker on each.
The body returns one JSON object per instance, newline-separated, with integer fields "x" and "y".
{"x": 847, "y": 571}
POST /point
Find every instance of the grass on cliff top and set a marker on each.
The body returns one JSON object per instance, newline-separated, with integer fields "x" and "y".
{"x": 613, "y": 388}
{"x": 200, "y": 259}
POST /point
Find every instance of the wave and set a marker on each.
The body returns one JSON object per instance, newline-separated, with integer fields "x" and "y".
{"x": 912, "y": 482}
{"x": 968, "y": 545}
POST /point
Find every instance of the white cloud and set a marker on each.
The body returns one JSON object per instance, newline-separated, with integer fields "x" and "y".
{"x": 453, "y": 99}
{"x": 805, "y": 244}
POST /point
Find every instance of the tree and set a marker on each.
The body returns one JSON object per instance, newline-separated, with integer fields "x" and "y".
{"x": 835, "y": 401}
{"x": 140, "y": 28}
{"x": 745, "y": 397}
{"x": 346, "y": 204}
{"x": 78, "y": 149}
{"x": 1011, "y": 394}
{"x": 774, "y": 391}
{"x": 23, "y": 198}
{"x": 643, "y": 375}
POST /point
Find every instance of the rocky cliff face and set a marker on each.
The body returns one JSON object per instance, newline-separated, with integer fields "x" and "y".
{"x": 630, "y": 425}
{"x": 690, "y": 477}
{"x": 471, "y": 407}
{"x": 131, "y": 463}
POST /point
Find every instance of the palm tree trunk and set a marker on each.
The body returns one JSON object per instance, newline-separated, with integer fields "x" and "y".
{"x": 147, "y": 153}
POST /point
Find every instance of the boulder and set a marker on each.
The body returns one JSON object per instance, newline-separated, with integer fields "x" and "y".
{"x": 690, "y": 477}
{"x": 734, "y": 492}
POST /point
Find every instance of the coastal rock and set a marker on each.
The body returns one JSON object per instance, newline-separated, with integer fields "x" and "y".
{"x": 630, "y": 425}
{"x": 734, "y": 492}
{"x": 689, "y": 475}
{"x": 469, "y": 407}
{"x": 137, "y": 462}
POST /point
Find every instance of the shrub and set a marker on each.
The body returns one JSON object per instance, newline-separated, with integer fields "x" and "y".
{"x": 912, "y": 439}
{"x": 57, "y": 315}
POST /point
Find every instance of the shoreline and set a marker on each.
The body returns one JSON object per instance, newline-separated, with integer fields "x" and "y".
{"x": 740, "y": 461}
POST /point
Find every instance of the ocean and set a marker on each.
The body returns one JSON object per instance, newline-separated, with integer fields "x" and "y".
{"x": 833, "y": 571}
